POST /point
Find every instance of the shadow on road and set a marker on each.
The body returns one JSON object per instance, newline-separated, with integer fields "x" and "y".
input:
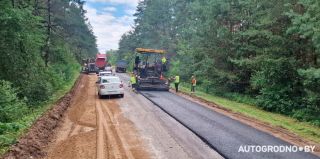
{"x": 106, "y": 97}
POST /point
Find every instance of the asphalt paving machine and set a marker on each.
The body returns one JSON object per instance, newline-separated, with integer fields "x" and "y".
{"x": 149, "y": 71}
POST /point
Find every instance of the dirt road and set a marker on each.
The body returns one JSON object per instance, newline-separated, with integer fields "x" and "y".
{"x": 91, "y": 129}
{"x": 119, "y": 128}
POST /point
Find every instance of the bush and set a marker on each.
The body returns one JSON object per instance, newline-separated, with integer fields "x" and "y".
{"x": 9, "y": 127}
{"x": 278, "y": 85}
{"x": 11, "y": 107}
{"x": 6, "y": 141}
{"x": 38, "y": 91}
{"x": 311, "y": 108}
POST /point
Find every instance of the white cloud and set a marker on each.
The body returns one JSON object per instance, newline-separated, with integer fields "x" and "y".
{"x": 130, "y": 11}
{"x": 107, "y": 28}
{"x": 110, "y": 9}
{"x": 131, "y": 3}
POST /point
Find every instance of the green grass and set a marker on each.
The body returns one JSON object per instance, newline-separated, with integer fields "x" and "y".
{"x": 26, "y": 122}
{"x": 302, "y": 129}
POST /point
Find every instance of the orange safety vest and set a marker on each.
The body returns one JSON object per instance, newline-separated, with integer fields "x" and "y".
{"x": 194, "y": 82}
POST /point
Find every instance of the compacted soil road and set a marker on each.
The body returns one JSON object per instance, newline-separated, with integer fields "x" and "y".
{"x": 91, "y": 129}
{"x": 120, "y": 128}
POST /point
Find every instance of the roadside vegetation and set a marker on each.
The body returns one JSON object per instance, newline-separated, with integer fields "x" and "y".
{"x": 41, "y": 45}
{"x": 265, "y": 53}
{"x": 112, "y": 57}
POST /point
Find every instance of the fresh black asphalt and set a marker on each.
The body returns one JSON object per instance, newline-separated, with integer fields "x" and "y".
{"x": 222, "y": 133}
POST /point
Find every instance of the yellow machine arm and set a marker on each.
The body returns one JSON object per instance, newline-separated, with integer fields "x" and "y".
{"x": 143, "y": 50}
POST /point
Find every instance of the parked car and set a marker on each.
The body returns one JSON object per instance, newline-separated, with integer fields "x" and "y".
{"x": 121, "y": 66}
{"x": 110, "y": 85}
{"x": 108, "y": 68}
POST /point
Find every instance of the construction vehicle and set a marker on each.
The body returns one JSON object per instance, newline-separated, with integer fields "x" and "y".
{"x": 121, "y": 66}
{"x": 84, "y": 64}
{"x": 148, "y": 70}
{"x": 91, "y": 68}
{"x": 101, "y": 61}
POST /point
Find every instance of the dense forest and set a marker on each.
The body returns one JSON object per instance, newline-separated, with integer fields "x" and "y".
{"x": 41, "y": 45}
{"x": 265, "y": 50}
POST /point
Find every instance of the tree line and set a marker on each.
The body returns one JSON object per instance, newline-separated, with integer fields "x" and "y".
{"x": 266, "y": 50}
{"x": 41, "y": 45}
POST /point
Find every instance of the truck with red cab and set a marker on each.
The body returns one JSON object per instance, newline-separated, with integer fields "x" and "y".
{"x": 101, "y": 61}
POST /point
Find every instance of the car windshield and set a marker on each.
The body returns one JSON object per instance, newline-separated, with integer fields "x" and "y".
{"x": 111, "y": 80}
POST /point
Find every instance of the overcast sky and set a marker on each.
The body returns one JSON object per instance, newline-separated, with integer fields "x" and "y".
{"x": 110, "y": 19}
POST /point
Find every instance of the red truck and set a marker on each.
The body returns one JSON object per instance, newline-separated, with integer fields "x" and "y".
{"x": 101, "y": 61}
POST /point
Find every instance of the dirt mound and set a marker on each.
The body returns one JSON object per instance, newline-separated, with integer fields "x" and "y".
{"x": 31, "y": 145}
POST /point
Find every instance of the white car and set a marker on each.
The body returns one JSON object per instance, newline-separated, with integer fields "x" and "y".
{"x": 110, "y": 85}
{"x": 105, "y": 73}
{"x": 108, "y": 68}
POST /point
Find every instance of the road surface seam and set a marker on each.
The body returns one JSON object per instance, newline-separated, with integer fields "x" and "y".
{"x": 160, "y": 122}
{"x": 202, "y": 138}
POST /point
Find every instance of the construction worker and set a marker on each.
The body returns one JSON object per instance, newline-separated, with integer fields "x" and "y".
{"x": 193, "y": 83}
{"x": 133, "y": 81}
{"x": 164, "y": 62}
{"x": 176, "y": 82}
{"x": 136, "y": 62}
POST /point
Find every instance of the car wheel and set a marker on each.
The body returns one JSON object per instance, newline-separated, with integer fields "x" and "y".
{"x": 100, "y": 96}
{"x": 121, "y": 95}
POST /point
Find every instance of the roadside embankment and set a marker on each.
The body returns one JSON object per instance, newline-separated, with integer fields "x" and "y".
{"x": 40, "y": 133}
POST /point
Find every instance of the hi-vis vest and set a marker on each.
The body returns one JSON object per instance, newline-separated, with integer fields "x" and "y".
{"x": 164, "y": 60}
{"x": 133, "y": 80}
{"x": 177, "y": 79}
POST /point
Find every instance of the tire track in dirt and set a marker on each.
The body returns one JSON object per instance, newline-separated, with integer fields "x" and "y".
{"x": 92, "y": 129}
{"x": 116, "y": 131}
{"x": 105, "y": 131}
{"x": 122, "y": 140}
